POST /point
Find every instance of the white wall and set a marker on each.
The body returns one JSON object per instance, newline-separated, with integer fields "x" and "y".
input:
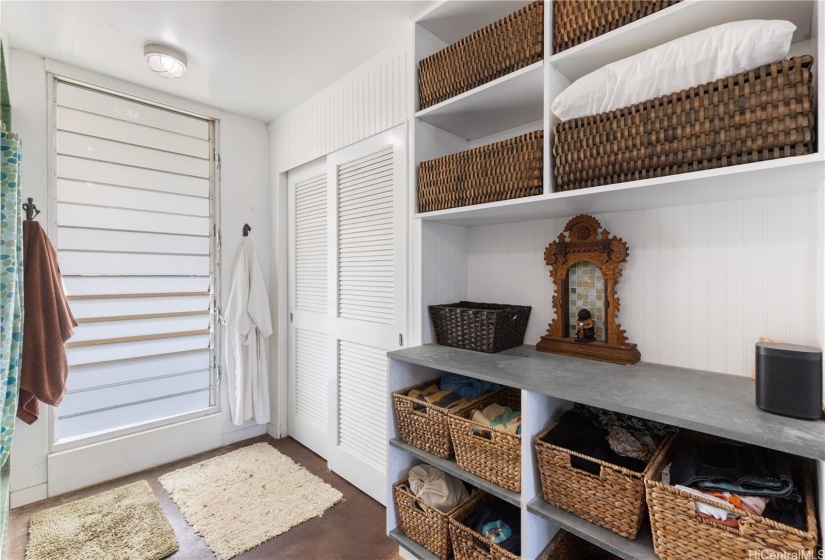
{"x": 27, "y": 90}
{"x": 701, "y": 284}
{"x": 244, "y": 198}
{"x": 373, "y": 98}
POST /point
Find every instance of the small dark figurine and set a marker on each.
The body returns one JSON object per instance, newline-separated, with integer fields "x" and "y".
{"x": 585, "y": 327}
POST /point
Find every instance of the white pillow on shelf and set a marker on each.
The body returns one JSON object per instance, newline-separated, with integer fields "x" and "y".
{"x": 692, "y": 60}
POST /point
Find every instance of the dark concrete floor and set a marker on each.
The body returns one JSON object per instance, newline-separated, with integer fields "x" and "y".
{"x": 351, "y": 530}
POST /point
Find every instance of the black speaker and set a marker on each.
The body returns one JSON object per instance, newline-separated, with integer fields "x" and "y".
{"x": 789, "y": 380}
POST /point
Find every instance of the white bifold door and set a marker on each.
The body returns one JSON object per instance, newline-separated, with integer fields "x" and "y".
{"x": 347, "y": 261}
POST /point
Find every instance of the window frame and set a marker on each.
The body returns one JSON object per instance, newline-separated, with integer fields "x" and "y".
{"x": 56, "y": 73}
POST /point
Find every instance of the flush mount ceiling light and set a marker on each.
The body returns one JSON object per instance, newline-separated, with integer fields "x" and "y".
{"x": 167, "y": 62}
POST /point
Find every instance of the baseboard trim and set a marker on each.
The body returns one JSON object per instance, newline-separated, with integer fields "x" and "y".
{"x": 26, "y": 496}
{"x": 272, "y": 430}
{"x": 241, "y": 434}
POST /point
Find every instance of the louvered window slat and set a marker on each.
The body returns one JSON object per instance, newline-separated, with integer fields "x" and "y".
{"x": 133, "y": 199}
{"x": 108, "y": 173}
{"x": 134, "y": 241}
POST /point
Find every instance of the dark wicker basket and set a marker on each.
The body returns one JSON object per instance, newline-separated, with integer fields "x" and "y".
{"x": 483, "y": 327}
{"x": 577, "y": 21}
{"x": 679, "y": 533}
{"x": 760, "y": 115}
{"x": 512, "y": 168}
{"x": 507, "y": 45}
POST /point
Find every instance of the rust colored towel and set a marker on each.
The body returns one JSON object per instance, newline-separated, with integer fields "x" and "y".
{"x": 47, "y": 324}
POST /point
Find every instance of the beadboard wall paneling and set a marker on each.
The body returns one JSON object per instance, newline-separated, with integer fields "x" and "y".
{"x": 443, "y": 269}
{"x": 701, "y": 285}
{"x": 370, "y": 100}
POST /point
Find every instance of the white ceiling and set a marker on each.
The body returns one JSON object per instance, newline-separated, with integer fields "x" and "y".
{"x": 257, "y": 59}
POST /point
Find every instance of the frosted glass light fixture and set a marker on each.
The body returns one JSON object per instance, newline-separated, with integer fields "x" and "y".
{"x": 164, "y": 61}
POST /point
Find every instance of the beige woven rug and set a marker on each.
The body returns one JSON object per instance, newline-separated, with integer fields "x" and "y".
{"x": 124, "y": 523}
{"x": 239, "y": 500}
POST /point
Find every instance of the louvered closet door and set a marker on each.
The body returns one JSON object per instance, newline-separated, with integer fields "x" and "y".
{"x": 311, "y": 346}
{"x": 368, "y": 230}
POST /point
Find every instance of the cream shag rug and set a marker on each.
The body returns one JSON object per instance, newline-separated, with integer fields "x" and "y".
{"x": 239, "y": 500}
{"x": 126, "y": 523}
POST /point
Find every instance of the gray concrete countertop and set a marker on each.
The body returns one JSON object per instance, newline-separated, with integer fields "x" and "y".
{"x": 713, "y": 403}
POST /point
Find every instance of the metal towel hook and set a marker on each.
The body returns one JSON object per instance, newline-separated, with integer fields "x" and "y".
{"x": 31, "y": 209}
{"x": 246, "y": 229}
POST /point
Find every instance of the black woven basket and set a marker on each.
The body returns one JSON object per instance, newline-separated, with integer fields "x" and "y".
{"x": 483, "y": 327}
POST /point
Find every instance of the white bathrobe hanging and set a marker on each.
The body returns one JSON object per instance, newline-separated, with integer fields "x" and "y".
{"x": 247, "y": 324}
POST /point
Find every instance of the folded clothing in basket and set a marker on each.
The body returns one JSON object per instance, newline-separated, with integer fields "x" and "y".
{"x": 436, "y": 488}
{"x": 433, "y": 395}
{"x": 499, "y": 418}
{"x": 615, "y": 438}
{"x": 453, "y": 390}
{"x": 467, "y": 387}
{"x": 498, "y": 521}
{"x": 750, "y": 478}
{"x": 575, "y": 432}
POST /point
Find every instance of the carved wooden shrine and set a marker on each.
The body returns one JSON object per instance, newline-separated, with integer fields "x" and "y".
{"x": 584, "y": 239}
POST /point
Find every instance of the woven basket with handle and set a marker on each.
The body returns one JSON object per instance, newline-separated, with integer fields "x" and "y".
{"x": 426, "y": 525}
{"x": 613, "y": 499}
{"x": 425, "y": 425}
{"x": 679, "y": 533}
{"x": 469, "y": 545}
{"x": 759, "y": 115}
{"x": 567, "y": 546}
{"x": 483, "y": 327}
{"x": 490, "y": 454}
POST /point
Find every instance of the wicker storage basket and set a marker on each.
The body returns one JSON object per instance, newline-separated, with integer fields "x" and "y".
{"x": 678, "y": 533}
{"x": 508, "y": 169}
{"x": 511, "y": 43}
{"x": 763, "y": 114}
{"x": 567, "y": 546}
{"x": 428, "y": 527}
{"x": 483, "y": 327}
{"x": 497, "y": 459}
{"x": 613, "y": 499}
{"x": 469, "y": 545}
{"x": 425, "y": 425}
{"x": 577, "y": 21}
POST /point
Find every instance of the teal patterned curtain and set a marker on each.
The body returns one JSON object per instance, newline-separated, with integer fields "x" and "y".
{"x": 11, "y": 285}
{"x": 11, "y": 292}
{"x": 11, "y": 309}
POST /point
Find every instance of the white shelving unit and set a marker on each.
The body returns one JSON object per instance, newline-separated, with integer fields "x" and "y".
{"x": 723, "y": 229}
{"x": 502, "y": 104}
